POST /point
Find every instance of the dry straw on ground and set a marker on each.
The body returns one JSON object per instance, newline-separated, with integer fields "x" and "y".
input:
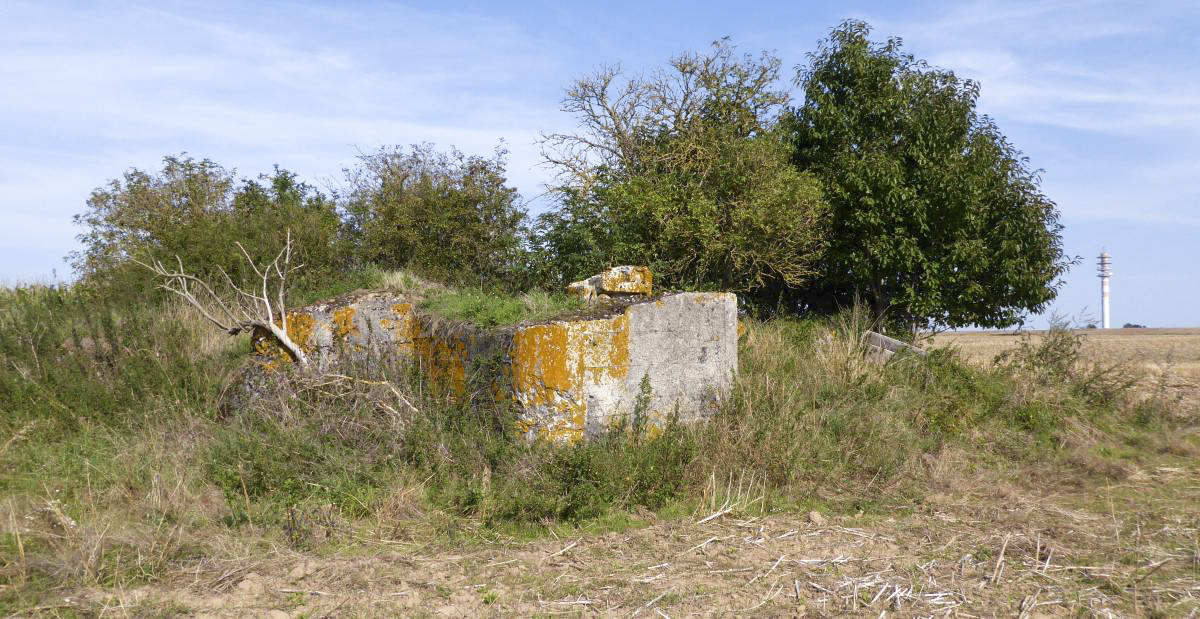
{"x": 985, "y": 547}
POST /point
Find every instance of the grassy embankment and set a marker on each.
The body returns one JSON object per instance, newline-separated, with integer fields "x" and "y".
{"x": 123, "y": 463}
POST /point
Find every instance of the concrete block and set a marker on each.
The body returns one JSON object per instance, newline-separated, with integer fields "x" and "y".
{"x": 575, "y": 379}
{"x": 881, "y": 348}
{"x": 572, "y": 378}
{"x": 617, "y": 282}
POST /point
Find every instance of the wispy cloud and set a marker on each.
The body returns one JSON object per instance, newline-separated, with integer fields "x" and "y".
{"x": 1099, "y": 89}
{"x": 1103, "y": 95}
{"x": 304, "y": 86}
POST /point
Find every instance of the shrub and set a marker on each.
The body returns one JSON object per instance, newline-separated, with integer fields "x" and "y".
{"x": 192, "y": 211}
{"x": 446, "y": 215}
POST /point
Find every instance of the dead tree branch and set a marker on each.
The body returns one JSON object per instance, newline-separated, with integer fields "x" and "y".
{"x": 264, "y": 307}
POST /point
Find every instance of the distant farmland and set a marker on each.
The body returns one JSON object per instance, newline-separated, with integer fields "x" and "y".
{"x": 1170, "y": 357}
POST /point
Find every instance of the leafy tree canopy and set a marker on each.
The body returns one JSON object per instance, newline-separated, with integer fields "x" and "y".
{"x": 683, "y": 171}
{"x": 884, "y": 185}
{"x": 195, "y": 211}
{"x": 937, "y": 219}
{"x": 446, "y": 214}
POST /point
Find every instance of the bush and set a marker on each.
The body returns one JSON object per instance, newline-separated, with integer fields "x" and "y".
{"x": 1056, "y": 360}
{"x": 446, "y": 215}
{"x": 192, "y": 211}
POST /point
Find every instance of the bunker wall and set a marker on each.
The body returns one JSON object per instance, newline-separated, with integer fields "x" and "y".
{"x": 572, "y": 379}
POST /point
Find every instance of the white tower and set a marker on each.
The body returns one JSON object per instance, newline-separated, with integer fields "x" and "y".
{"x": 1105, "y": 269}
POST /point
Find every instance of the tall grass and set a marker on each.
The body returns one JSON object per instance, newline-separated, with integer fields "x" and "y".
{"x": 122, "y": 462}
{"x": 100, "y": 405}
{"x": 70, "y": 359}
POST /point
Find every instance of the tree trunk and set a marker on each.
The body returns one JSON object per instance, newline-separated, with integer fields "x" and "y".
{"x": 879, "y": 305}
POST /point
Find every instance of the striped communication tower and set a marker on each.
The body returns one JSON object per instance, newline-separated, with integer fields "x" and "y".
{"x": 1104, "y": 268}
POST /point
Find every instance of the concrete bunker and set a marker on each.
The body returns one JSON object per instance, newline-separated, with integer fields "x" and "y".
{"x": 572, "y": 377}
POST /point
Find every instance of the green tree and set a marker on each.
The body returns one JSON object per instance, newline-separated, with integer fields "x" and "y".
{"x": 448, "y": 215}
{"x": 265, "y": 208}
{"x": 193, "y": 209}
{"x": 937, "y": 219}
{"x": 573, "y": 241}
{"x": 174, "y": 212}
{"x": 685, "y": 172}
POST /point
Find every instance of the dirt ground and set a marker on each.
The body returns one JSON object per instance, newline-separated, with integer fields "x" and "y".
{"x": 1124, "y": 541}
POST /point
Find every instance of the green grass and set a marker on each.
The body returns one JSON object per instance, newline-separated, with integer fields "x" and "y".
{"x": 487, "y": 309}
{"x": 368, "y": 276}
{"x": 123, "y": 462}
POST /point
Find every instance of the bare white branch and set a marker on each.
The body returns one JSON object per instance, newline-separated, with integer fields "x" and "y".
{"x": 240, "y": 311}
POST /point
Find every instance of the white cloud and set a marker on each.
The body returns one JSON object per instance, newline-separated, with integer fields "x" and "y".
{"x": 1105, "y": 98}
{"x": 94, "y": 90}
{"x": 1097, "y": 88}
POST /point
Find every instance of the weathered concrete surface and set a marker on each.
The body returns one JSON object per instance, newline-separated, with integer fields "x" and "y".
{"x": 572, "y": 378}
{"x": 331, "y": 331}
{"x": 881, "y": 348}
{"x": 617, "y": 282}
{"x": 576, "y": 378}
{"x": 355, "y": 327}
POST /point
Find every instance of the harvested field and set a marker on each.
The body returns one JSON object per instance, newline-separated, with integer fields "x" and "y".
{"x": 1170, "y": 357}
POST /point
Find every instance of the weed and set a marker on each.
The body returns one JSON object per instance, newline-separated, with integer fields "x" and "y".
{"x": 409, "y": 283}
{"x": 119, "y": 470}
{"x": 489, "y": 309}
{"x": 369, "y": 276}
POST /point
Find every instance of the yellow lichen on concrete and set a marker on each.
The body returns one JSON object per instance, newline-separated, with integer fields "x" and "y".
{"x": 605, "y": 348}
{"x": 547, "y": 381}
{"x": 262, "y": 342}
{"x": 403, "y": 309}
{"x": 404, "y": 327}
{"x": 628, "y": 280}
{"x": 343, "y": 323}
{"x": 299, "y": 329}
{"x": 581, "y": 290}
{"x": 524, "y": 426}
{"x": 553, "y": 366}
{"x": 443, "y": 359}
{"x": 570, "y": 379}
{"x": 540, "y": 361}
{"x": 617, "y": 281}
{"x": 618, "y": 356}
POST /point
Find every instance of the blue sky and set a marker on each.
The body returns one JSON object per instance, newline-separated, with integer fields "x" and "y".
{"x": 1102, "y": 96}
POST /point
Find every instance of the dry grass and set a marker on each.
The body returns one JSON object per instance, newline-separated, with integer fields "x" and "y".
{"x": 127, "y": 522}
{"x": 989, "y": 545}
{"x": 1169, "y": 358}
{"x": 207, "y": 339}
{"x": 1148, "y": 346}
{"x": 408, "y": 283}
